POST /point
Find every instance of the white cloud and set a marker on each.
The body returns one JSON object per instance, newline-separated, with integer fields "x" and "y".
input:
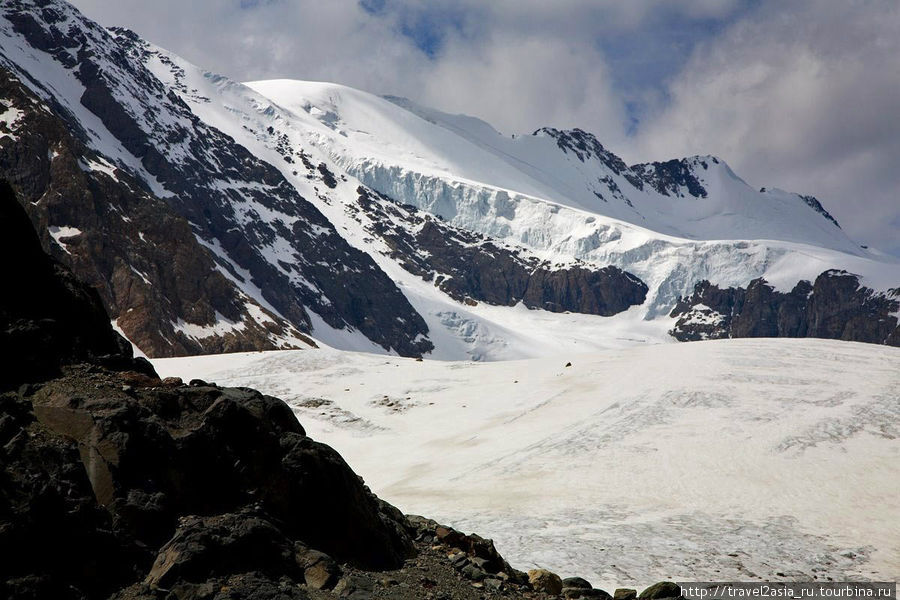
{"x": 804, "y": 96}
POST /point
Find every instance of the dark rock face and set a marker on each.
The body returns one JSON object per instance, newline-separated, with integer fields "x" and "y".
{"x": 133, "y": 248}
{"x": 814, "y": 204}
{"x": 835, "y": 306}
{"x": 160, "y": 452}
{"x": 225, "y": 544}
{"x": 48, "y": 517}
{"x": 673, "y": 177}
{"x": 585, "y": 146}
{"x": 238, "y": 205}
{"x": 47, "y": 317}
{"x": 469, "y": 267}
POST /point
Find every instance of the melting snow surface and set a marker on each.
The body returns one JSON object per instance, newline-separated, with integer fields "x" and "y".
{"x": 724, "y": 460}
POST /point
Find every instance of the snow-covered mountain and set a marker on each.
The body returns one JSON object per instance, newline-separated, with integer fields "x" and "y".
{"x": 563, "y": 194}
{"x": 298, "y": 209}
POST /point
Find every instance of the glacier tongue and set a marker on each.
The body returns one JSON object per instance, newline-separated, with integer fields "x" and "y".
{"x": 734, "y": 459}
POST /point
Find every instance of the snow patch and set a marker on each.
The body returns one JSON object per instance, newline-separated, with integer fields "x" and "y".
{"x": 59, "y": 234}
{"x": 9, "y": 117}
{"x": 221, "y": 326}
{"x": 99, "y": 164}
{"x": 137, "y": 351}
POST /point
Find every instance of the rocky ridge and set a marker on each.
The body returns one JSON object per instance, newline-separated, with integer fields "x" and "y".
{"x": 473, "y": 268}
{"x": 153, "y": 276}
{"x": 835, "y": 306}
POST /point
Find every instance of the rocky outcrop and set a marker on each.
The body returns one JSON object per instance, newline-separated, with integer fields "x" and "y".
{"x": 814, "y": 204}
{"x": 674, "y": 177}
{"x": 47, "y": 317}
{"x": 835, "y": 306}
{"x": 471, "y": 268}
{"x": 180, "y": 482}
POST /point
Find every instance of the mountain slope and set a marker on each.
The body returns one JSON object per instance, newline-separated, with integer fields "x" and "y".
{"x": 693, "y": 198}
{"x": 152, "y": 274}
{"x": 241, "y": 208}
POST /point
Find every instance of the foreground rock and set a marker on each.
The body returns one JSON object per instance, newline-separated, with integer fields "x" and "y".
{"x": 176, "y": 483}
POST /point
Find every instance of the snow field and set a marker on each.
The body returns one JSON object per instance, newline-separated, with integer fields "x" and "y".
{"x": 725, "y": 460}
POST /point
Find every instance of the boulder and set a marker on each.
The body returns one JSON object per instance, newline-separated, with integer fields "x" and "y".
{"x": 543, "y": 580}
{"x": 576, "y": 582}
{"x": 320, "y": 571}
{"x": 224, "y": 544}
{"x": 663, "y": 589}
{"x": 625, "y": 594}
{"x": 156, "y": 453}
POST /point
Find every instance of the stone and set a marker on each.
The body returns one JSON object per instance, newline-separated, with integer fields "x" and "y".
{"x": 224, "y": 544}
{"x": 320, "y": 571}
{"x": 625, "y": 594}
{"x": 472, "y": 572}
{"x": 572, "y": 592}
{"x": 545, "y": 581}
{"x": 459, "y": 560}
{"x": 354, "y": 587}
{"x": 493, "y": 584}
{"x": 576, "y": 582}
{"x": 663, "y": 589}
{"x": 322, "y": 575}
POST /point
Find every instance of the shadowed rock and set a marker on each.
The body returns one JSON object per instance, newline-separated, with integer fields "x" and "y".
{"x": 47, "y": 317}
{"x": 835, "y": 306}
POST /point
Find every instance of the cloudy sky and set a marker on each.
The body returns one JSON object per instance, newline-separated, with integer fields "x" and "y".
{"x": 802, "y": 95}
